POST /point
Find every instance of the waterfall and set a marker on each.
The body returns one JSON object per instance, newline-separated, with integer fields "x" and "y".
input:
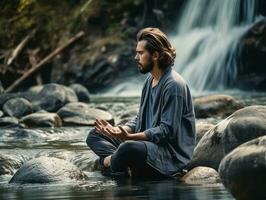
{"x": 207, "y": 39}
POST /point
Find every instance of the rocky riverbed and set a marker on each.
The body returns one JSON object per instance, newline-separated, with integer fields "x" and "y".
{"x": 43, "y": 133}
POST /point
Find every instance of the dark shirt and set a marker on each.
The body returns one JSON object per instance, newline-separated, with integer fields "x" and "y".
{"x": 149, "y": 112}
{"x": 171, "y": 138}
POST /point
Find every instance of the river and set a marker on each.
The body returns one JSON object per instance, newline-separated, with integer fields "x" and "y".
{"x": 69, "y": 143}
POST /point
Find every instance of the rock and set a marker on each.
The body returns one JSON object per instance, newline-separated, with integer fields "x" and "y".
{"x": 8, "y": 122}
{"x": 243, "y": 125}
{"x": 252, "y": 73}
{"x": 42, "y": 119}
{"x": 9, "y": 163}
{"x": 7, "y": 96}
{"x": 201, "y": 175}
{"x": 17, "y": 107}
{"x": 47, "y": 170}
{"x": 213, "y": 105}
{"x": 243, "y": 171}
{"x": 54, "y": 96}
{"x": 201, "y": 129}
{"x": 96, "y": 70}
{"x": 84, "y": 160}
{"x": 81, "y": 92}
{"x": 81, "y": 114}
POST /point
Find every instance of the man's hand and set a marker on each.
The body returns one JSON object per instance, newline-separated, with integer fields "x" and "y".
{"x": 119, "y": 133}
{"x": 102, "y": 125}
{"x": 124, "y": 133}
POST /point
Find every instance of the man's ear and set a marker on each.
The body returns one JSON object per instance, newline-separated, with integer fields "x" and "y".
{"x": 155, "y": 55}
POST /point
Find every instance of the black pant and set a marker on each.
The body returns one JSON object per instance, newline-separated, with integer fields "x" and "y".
{"x": 125, "y": 154}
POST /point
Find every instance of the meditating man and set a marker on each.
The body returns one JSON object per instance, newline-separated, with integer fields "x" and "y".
{"x": 160, "y": 140}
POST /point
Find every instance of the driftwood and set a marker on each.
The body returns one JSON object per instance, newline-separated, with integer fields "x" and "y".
{"x": 48, "y": 58}
{"x": 17, "y": 50}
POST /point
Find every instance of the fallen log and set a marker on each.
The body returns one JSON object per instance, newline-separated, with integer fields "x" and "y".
{"x": 48, "y": 58}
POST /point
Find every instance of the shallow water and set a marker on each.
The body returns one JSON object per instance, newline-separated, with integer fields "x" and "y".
{"x": 69, "y": 143}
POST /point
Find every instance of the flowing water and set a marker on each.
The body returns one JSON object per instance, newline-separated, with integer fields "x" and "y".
{"x": 206, "y": 38}
{"x": 69, "y": 143}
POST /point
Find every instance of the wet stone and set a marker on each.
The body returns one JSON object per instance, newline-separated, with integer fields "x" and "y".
{"x": 243, "y": 171}
{"x": 48, "y": 170}
{"x": 243, "y": 125}
{"x": 42, "y": 119}
{"x": 215, "y": 105}
{"x": 54, "y": 96}
{"x": 81, "y": 114}
{"x": 17, "y": 107}
{"x": 201, "y": 175}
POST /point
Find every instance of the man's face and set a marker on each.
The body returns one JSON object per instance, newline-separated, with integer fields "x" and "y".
{"x": 143, "y": 58}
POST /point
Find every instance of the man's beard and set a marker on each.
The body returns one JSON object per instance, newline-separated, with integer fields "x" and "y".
{"x": 147, "y": 68}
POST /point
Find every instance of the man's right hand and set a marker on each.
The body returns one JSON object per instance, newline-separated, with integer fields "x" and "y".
{"x": 102, "y": 125}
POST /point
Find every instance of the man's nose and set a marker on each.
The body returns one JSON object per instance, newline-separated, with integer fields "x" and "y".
{"x": 136, "y": 57}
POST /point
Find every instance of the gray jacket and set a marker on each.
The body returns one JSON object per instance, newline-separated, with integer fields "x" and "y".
{"x": 171, "y": 139}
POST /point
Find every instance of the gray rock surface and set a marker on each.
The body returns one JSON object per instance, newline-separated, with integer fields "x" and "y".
{"x": 17, "y": 107}
{"x": 54, "y": 96}
{"x": 42, "y": 119}
{"x": 201, "y": 175}
{"x": 47, "y": 170}
{"x": 243, "y": 171}
{"x": 81, "y": 114}
{"x": 215, "y": 105}
{"x": 242, "y": 126}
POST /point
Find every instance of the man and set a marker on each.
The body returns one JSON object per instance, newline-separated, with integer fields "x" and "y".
{"x": 160, "y": 140}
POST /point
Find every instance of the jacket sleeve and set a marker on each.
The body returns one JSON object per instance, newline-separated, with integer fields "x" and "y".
{"x": 132, "y": 123}
{"x": 170, "y": 120}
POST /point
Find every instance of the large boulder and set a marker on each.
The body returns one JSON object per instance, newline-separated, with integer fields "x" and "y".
{"x": 243, "y": 171}
{"x": 252, "y": 72}
{"x": 81, "y": 92}
{"x": 54, "y": 96}
{"x": 242, "y": 126}
{"x": 215, "y": 105}
{"x": 42, "y": 119}
{"x": 17, "y": 107}
{"x": 201, "y": 175}
{"x": 47, "y": 170}
{"x": 81, "y": 114}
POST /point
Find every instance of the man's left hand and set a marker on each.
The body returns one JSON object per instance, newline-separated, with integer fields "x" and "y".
{"x": 120, "y": 134}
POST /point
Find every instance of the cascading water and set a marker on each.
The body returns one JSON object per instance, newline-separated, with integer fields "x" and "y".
{"x": 207, "y": 39}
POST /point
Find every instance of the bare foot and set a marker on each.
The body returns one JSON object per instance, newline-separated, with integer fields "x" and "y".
{"x": 107, "y": 161}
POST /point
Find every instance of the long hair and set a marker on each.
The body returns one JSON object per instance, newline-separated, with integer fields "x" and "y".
{"x": 156, "y": 40}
